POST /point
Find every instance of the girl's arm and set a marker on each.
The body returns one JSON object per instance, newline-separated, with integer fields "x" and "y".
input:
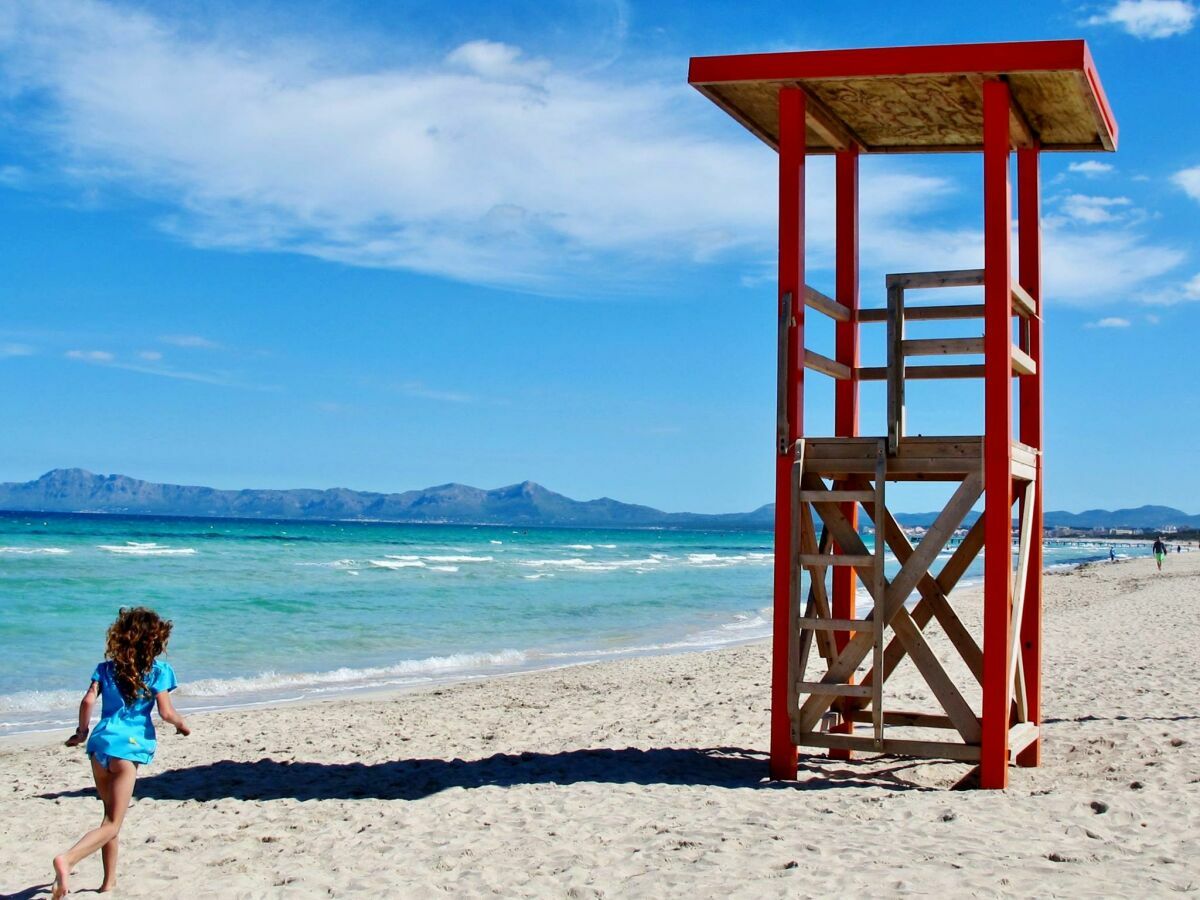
{"x": 168, "y": 713}
{"x": 85, "y": 716}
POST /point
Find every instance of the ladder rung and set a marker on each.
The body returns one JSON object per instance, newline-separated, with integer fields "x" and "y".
{"x": 833, "y": 690}
{"x": 837, "y": 496}
{"x": 835, "y": 559}
{"x": 818, "y": 624}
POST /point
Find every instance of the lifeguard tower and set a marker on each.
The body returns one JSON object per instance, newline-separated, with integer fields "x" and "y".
{"x": 992, "y": 99}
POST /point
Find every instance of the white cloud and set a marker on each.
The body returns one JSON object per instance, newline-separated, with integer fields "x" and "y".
{"x": 1093, "y": 210}
{"x": 150, "y": 367}
{"x": 1149, "y": 18}
{"x": 1191, "y": 289}
{"x": 92, "y": 356}
{"x": 12, "y": 349}
{"x": 1110, "y": 322}
{"x": 483, "y": 166}
{"x": 1152, "y": 319}
{"x": 1090, "y": 168}
{"x": 13, "y": 176}
{"x": 1189, "y": 181}
{"x": 1101, "y": 266}
{"x": 150, "y": 355}
{"x": 191, "y": 341}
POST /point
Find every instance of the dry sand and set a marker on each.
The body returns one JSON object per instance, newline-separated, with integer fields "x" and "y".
{"x": 645, "y": 778}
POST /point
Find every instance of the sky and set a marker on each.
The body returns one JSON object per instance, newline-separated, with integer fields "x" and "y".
{"x": 388, "y": 246}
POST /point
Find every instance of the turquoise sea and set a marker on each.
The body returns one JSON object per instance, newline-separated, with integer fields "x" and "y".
{"x": 281, "y": 611}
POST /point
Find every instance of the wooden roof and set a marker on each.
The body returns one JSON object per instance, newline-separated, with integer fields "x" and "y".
{"x": 917, "y": 99}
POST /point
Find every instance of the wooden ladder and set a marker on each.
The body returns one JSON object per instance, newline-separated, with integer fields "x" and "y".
{"x": 816, "y": 622}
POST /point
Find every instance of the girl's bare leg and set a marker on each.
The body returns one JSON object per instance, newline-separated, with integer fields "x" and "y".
{"x": 122, "y": 774}
{"x": 108, "y": 853}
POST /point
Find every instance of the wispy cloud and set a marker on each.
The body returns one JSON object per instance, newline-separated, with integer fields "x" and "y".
{"x": 13, "y": 176}
{"x": 145, "y": 366}
{"x": 422, "y": 391}
{"x": 486, "y": 165}
{"x": 1148, "y": 18}
{"x": 150, "y": 355}
{"x": 1092, "y": 210}
{"x": 1091, "y": 168}
{"x": 1189, "y": 181}
{"x": 1110, "y": 322}
{"x": 8, "y": 350}
{"x": 191, "y": 341}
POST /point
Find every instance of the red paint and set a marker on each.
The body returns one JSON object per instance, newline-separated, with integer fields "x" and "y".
{"x": 791, "y": 280}
{"x": 1029, "y": 240}
{"x": 997, "y": 440}
{"x": 845, "y": 393}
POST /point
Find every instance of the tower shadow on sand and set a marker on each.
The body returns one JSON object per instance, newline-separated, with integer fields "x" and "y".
{"x": 413, "y": 779}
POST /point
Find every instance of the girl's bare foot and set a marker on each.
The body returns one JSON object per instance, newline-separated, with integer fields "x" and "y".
{"x": 106, "y": 887}
{"x": 62, "y": 874}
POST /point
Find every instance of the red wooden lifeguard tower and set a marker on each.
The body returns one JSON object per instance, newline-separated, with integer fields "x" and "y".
{"x": 989, "y": 98}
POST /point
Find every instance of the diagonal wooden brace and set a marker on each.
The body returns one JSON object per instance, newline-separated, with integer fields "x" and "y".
{"x": 891, "y": 605}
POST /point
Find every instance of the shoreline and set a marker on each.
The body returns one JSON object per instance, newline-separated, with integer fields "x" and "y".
{"x": 322, "y": 686}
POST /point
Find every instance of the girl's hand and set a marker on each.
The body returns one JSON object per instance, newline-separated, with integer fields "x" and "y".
{"x": 181, "y": 727}
{"x": 78, "y": 737}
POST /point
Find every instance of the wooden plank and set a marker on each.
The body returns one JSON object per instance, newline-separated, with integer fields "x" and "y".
{"x": 1022, "y": 362}
{"x": 834, "y": 559}
{"x": 935, "y": 676}
{"x": 895, "y": 366}
{"x": 1024, "y": 453}
{"x": 829, "y": 689}
{"x": 809, "y": 544}
{"x": 932, "y": 594}
{"x": 952, "y": 278}
{"x": 1023, "y": 471}
{"x": 901, "y": 718}
{"x": 879, "y": 373}
{"x": 1018, "y": 607}
{"x": 798, "y": 645}
{"x": 940, "y": 448}
{"x": 824, "y": 364}
{"x": 836, "y": 496}
{"x": 1023, "y": 304}
{"x": 818, "y": 624}
{"x": 826, "y": 123}
{"x": 1021, "y": 736}
{"x": 962, "y": 557}
{"x": 942, "y": 346}
{"x": 927, "y": 313}
{"x": 897, "y": 592}
{"x": 814, "y": 299}
{"x": 898, "y": 747}
{"x": 880, "y": 580}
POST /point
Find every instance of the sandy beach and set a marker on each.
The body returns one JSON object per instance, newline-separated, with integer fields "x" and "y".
{"x": 645, "y": 777}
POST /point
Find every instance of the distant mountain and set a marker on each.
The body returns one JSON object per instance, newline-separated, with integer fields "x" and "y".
{"x": 527, "y": 503}
{"x": 76, "y": 490}
{"x": 1147, "y": 517}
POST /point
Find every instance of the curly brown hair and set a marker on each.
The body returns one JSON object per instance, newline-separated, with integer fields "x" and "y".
{"x": 135, "y": 640}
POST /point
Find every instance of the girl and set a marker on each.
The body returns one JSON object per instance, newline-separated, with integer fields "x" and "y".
{"x": 130, "y": 680}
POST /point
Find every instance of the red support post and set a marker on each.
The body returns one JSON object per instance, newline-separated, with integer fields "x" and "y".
{"x": 997, "y": 441}
{"x": 1029, "y": 242}
{"x": 845, "y": 392}
{"x": 791, "y": 282}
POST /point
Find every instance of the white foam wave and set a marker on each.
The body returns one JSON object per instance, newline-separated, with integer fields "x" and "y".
{"x": 273, "y": 681}
{"x": 443, "y": 568}
{"x": 134, "y": 548}
{"x": 396, "y": 563}
{"x": 575, "y": 564}
{"x": 580, "y": 547}
{"x": 35, "y": 551}
{"x": 37, "y": 701}
{"x": 439, "y": 559}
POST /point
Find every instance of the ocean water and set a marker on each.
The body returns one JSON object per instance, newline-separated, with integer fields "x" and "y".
{"x": 281, "y": 611}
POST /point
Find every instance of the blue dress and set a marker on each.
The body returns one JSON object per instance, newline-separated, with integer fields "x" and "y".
{"x": 126, "y": 730}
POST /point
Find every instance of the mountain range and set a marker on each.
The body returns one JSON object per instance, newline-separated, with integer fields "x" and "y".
{"x": 527, "y": 503}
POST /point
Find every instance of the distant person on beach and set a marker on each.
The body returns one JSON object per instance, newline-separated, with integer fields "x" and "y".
{"x": 130, "y": 681}
{"x": 1112, "y": 555}
{"x": 1160, "y": 550}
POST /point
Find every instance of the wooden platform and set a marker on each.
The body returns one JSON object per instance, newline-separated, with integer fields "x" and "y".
{"x": 917, "y": 99}
{"x": 917, "y": 459}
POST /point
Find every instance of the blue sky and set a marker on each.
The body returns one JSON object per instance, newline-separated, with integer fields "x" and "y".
{"x": 387, "y": 246}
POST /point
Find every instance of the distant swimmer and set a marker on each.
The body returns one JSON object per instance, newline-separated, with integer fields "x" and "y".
{"x": 1160, "y": 550}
